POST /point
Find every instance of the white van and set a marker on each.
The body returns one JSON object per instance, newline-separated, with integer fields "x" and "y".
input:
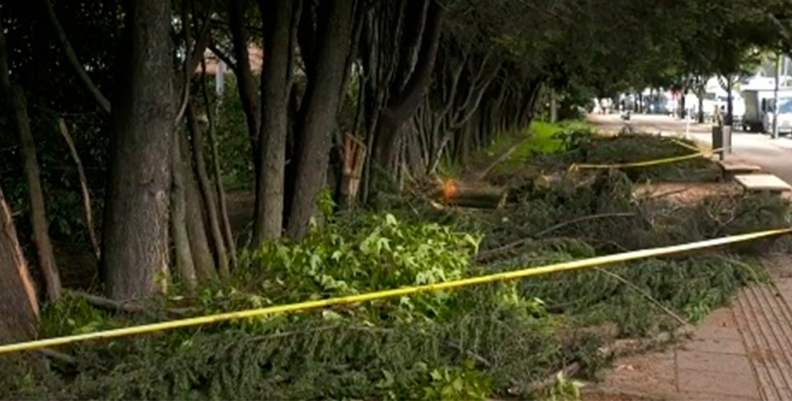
{"x": 784, "y": 116}
{"x": 758, "y": 103}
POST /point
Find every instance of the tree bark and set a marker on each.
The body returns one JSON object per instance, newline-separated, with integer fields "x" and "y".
{"x": 181, "y": 241}
{"x": 405, "y": 103}
{"x": 38, "y": 213}
{"x": 319, "y": 110}
{"x": 196, "y": 229}
{"x": 275, "y": 88}
{"x": 18, "y": 303}
{"x": 135, "y": 234}
{"x": 208, "y": 194}
{"x": 246, "y": 83}
{"x": 223, "y": 207}
{"x": 38, "y": 210}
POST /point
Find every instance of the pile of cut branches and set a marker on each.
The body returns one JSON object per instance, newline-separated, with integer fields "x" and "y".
{"x": 628, "y": 147}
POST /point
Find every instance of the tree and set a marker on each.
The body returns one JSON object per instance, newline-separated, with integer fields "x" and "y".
{"x": 18, "y": 302}
{"x": 15, "y": 98}
{"x": 135, "y": 234}
{"x": 280, "y": 23}
{"x": 320, "y": 104}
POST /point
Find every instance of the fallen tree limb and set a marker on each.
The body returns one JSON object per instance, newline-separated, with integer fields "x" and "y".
{"x": 58, "y": 356}
{"x": 581, "y": 219}
{"x": 492, "y": 253}
{"x": 461, "y": 195}
{"x": 126, "y": 307}
{"x": 646, "y": 295}
{"x": 616, "y": 349}
{"x": 501, "y": 158}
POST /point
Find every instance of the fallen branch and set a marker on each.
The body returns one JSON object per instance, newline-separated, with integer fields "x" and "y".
{"x": 501, "y": 158}
{"x": 456, "y": 194}
{"x": 126, "y": 307}
{"x": 581, "y": 219}
{"x": 492, "y": 253}
{"x": 616, "y": 349}
{"x": 58, "y": 356}
{"x": 646, "y": 295}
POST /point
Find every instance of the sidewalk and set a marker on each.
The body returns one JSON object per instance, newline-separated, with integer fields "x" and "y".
{"x": 741, "y": 352}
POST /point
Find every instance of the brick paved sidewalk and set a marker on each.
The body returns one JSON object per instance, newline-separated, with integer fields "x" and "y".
{"x": 743, "y": 352}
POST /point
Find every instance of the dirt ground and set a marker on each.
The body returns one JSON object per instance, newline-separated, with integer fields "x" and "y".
{"x": 685, "y": 192}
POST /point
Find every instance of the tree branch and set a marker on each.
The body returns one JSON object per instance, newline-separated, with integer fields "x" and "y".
{"x": 222, "y": 56}
{"x": 84, "y": 186}
{"x": 74, "y": 61}
{"x": 415, "y": 87}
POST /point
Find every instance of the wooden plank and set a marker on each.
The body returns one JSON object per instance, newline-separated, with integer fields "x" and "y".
{"x": 762, "y": 182}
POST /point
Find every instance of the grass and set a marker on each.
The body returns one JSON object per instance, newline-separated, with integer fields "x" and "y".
{"x": 540, "y": 138}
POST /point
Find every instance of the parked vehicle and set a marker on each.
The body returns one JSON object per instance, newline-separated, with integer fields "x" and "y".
{"x": 758, "y": 103}
{"x": 784, "y": 111}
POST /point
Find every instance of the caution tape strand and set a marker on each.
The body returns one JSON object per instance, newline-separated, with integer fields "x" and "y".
{"x": 674, "y": 159}
{"x": 400, "y": 292}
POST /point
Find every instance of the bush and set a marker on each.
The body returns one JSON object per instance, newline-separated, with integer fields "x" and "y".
{"x": 372, "y": 253}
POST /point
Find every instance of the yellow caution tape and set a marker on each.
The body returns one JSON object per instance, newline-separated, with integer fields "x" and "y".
{"x": 674, "y": 159}
{"x": 400, "y": 292}
{"x": 686, "y": 145}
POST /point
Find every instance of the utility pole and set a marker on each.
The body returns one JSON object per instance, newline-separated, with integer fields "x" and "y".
{"x": 775, "y": 95}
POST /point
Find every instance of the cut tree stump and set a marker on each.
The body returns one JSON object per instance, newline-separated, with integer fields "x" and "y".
{"x": 478, "y": 196}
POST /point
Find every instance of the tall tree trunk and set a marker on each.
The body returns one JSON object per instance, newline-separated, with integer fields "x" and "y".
{"x": 319, "y": 110}
{"x": 246, "y": 85}
{"x": 181, "y": 241}
{"x": 196, "y": 229}
{"x": 223, "y": 207}
{"x": 208, "y": 194}
{"x": 135, "y": 234}
{"x": 275, "y": 88}
{"x": 404, "y": 105}
{"x": 38, "y": 212}
{"x": 18, "y": 303}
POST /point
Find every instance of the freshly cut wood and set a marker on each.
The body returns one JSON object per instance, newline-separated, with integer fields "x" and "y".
{"x": 354, "y": 159}
{"x": 18, "y": 302}
{"x": 470, "y": 195}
